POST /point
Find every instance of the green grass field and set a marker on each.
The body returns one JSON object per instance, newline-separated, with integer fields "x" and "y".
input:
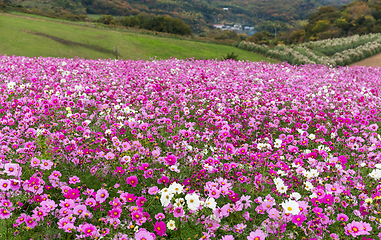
{"x": 15, "y": 39}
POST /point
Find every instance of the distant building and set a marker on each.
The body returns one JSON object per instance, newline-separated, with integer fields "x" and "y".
{"x": 220, "y": 26}
{"x": 240, "y": 29}
{"x": 237, "y": 27}
{"x": 226, "y": 9}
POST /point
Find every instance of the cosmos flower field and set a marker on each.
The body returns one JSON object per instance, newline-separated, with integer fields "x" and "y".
{"x": 188, "y": 149}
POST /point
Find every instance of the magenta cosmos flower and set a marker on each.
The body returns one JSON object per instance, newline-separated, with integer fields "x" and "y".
{"x": 88, "y": 229}
{"x": 115, "y": 213}
{"x": 298, "y": 219}
{"x": 72, "y": 194}
{"x": 133, "y": 180}
{"x": 159, "y": 228}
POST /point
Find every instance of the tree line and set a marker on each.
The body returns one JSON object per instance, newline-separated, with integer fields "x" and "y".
{"x": 165, "y": 24}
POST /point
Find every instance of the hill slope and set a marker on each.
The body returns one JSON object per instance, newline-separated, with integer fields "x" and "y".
{"x": 31, "y": 36}
{"x": 197, "y": 13}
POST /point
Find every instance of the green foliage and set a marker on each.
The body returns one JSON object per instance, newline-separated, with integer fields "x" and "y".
{"x": 230, "y": 56}
{"x": 159, "y": 23}
{"x": 107, "y": 19}
{"x": 321, "y": 26}
{"x": 358, "y": 17}
{"x": 260, "y": 37}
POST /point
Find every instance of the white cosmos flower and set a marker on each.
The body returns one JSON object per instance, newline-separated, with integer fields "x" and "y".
{"x": 309, "y": 186}
{"x": 171, "y": 225}
{"x": 311, "y": 136}
{"x": 210, "y": 203}
{"x": 291, "y": 206}
{"x": 175, "y": 188}
{"x": 281, "y": 188}
{"x": 11, "y": 85}
{"x": 193, "y": 201}
{"x": 278, "y": 181}
{"x": 165, "y": 199}
{"x": 277, "y": 143}
{"x": 376, "y": 174}
{"x": 296, "y": 196}
{"x": 179, "y": 202}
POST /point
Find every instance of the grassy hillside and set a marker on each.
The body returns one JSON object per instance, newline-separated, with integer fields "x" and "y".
{"x": 32, "y": 36}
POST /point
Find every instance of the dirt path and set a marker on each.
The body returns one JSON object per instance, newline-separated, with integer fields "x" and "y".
{"x": 369, "y": 62}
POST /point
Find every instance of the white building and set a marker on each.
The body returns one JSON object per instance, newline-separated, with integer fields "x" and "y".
{"x": 220, "y": 26}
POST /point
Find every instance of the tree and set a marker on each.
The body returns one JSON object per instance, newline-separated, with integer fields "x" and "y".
{"x": 321, "y": 26}
{"x": 107, "y": 19}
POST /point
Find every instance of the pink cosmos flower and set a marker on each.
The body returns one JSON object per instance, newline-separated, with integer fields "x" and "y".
{"x": 342, "y": 217}
{"x": 49, "y": 204}
{"x": 120, "y": 170}
{"x": 72, "y": 194}
{"x": 106, "y": 231}
{"x": 130, "y": 197}
{"x": 39, "y": 214}
{"x": 68, "y": 203}
{"x": 102, "y": 195}
{"x": 354, "y": 229}
{"x": 35, "y": 162}
{"x": 153, "y": 190}
{"x": 74, "y": 180}
{"x": 163, "y": 179}
{"x": 15, "y": 184}
{"x": 230, "y": 148}
{"x": 159, "y": 228}
{"x": 171, "y": 159}
{"x": 21, "y": 219}
{"x": 239, "y": 227}
{"x": 298, "y": 219}
{"x": 227, "y": 237}
{"x": 133, "y": 180}
{"x": 143, "y": 234}
{"x": 90, "y": 202}
{"x": 79, "y": 209}
{"x": 115, "y": 213}
{"x": 12, "y": 169}
{"x": 136, "y": 215}
{"x": 110, "y": 156}
{"x": 366, "y": 227}
{"x": 30, "y": 222}
{"x": 214, "y": 193}
{"x": 4, "y": 185}
{"x": 4, "y": 213}
{"x": 257, "y": 235}
{"x": 46, "y": 164}
{"x": 160, "y": 216}
{"x": 65, "y": 220}
{"x": 88, "y": 229}
{"x": 273, "y": 214}
{"x": 245, "y": 201}
{"x": 178, "y": 212}
{"x": 69, "y": 227}
{"x": 140, "y": 201}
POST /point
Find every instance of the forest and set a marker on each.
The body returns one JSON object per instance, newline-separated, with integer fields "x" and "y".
{"x": 199, "y": 14}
